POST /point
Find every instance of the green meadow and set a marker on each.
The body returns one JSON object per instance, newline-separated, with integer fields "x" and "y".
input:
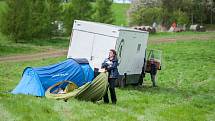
{"x": 185, "y": 91}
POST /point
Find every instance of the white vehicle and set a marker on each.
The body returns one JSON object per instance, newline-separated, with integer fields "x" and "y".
{"x": 93, "y": 41}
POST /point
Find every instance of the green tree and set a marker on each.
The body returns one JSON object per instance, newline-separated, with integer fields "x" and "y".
{"x": 55, "y": 14}
{"x": 180, "y": 17}
{"x": 40, "y": 19}
{"x": 103, "y": 11}
{"x": 29, "y": 19}
{"x": 15, "y": 20}
{"x": 161, "y": 11}
{"x": 145, "y": 12}
{"x": 199, "y": 9}
{"x": 175, "y": 10}
{"x": 146, "y": 16}
{"x": 55, "y": 11}
{"x": 76, "y": 9}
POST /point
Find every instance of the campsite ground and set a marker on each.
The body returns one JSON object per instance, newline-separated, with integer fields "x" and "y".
{"x": 185, "y": 92}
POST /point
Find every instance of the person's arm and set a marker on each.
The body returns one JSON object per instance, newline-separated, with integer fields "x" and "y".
{"x": 104, "y": 64}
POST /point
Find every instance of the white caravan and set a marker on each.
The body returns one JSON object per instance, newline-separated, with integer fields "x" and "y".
{"x": 93, "y": 41}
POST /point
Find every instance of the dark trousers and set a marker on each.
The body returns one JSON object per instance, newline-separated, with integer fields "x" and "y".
{"x": 153, "y": 78}
{"x": 111, "y": 82}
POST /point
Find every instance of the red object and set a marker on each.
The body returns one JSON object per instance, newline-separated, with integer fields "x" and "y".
{"x": 174, "y": 25}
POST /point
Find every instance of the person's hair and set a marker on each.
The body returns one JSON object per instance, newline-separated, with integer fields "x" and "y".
{"x": 114, "y": 52}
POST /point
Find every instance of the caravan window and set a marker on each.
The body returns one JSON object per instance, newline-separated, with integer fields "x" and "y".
{"x": 138, "y": 48}
{"x": 120, "y": 47}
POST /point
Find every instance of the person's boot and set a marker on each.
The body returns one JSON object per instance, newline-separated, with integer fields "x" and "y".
{"x": 153, "y": 81}
{"x": 114, "y": 103}
{"x": 153, "y": 84}
{"x": 105, "y": 98}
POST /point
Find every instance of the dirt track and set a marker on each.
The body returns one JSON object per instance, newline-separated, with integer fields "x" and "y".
{"x": 43, "y": 55}
{"x": 58, "y": 53}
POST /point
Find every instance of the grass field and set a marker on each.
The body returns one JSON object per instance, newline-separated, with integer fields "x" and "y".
{"x": 120, "y": 13}
{"x": 8, "y": 47}
{"x": 185, "y": 92}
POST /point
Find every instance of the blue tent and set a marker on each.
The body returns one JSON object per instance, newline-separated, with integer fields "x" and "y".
{"x": 35, "y": 81}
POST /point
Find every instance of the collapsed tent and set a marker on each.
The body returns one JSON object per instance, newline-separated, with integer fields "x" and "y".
{"x": 35, "y": 81}
{"x": 92, "y": 91}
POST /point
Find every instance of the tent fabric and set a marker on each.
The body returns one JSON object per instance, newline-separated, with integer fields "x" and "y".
{"x": 35, "y": 81}
{"x": 66, "y": 96}
{"x": 91, "y": 91}
{"x": 96, "y": 90}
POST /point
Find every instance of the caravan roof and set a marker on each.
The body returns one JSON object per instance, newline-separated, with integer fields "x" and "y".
{"x": 101, "y": 28}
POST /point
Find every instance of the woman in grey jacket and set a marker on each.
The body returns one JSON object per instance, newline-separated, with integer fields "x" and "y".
{"x": 110, "y": 64}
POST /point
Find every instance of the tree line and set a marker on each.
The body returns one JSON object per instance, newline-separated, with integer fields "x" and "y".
{"x": 165, "y": 12}
{"x": 36, "y": 19}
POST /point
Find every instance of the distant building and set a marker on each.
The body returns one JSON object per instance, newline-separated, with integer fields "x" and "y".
{"x": 122, "y": 1}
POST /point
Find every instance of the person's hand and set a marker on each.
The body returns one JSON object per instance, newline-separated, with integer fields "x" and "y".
{"x": 109, "y": 62}
{"x": 102, "y": 70}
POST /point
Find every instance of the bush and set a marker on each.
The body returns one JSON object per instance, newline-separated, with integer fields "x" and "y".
{"x": 163, "y": 12}
{"x": 180, "y": 17}
{"x": 145, "y": 16}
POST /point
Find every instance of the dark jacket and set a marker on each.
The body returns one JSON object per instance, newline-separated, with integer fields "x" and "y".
{"x": 111, "y": 67}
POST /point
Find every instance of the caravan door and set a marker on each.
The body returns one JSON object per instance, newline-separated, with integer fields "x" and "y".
{"x": 101, "y": 46}
{"x": 132, "y": 52}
